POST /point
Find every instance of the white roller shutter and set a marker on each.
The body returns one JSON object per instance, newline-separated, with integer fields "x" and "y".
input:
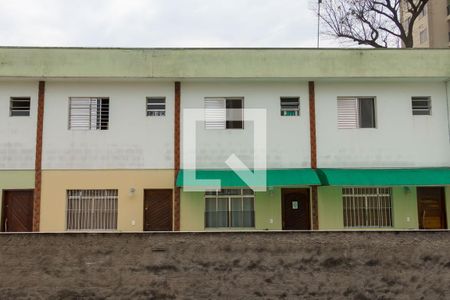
{"x": 347, "y": 113}
{"x": 215, "y": 113}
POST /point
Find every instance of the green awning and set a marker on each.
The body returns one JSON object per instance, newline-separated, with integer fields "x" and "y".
{"x": 229, "y": 178}
{"x": 384, "y": 177}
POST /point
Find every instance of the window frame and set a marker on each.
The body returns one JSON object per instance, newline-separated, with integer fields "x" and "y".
{"x": 421, "y": 98}
{"x": 90, "y": 127}
{"x": 358, "y": 115}
{"x": 147, "y": 110}
{"x": 114, "y": 194}
{"x": 226, "y": 121}
{"x": 223, "y": 195}
{"x": 19, "y": 98}
{"x": 296, "y": 110}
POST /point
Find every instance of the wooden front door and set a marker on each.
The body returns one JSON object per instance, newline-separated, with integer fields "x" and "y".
{"x": 158, "y": 210}
{"x": 296, "y": 209}
{"x": 431, "y": 208}
{"x": 17, "y": 211}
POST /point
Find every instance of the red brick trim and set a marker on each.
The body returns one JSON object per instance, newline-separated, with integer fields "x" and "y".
{"x": 38, "y": 157}
{"x": 312, "y": 124}
{"x": 177, "y": 155}
{"x": 313, "y": 147}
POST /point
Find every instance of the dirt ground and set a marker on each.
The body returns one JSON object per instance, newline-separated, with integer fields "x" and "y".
{"x": 237, "y": 265}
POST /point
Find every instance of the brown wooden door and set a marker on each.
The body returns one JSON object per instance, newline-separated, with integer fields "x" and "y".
{"x": 158, "y": 210}
{"x": 296, "y": 209}
{"x": 17, "y": 211}
{"x": 431, "y": 208}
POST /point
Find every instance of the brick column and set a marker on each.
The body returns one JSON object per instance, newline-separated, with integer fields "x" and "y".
{"x": 177, "y": 154}
{"x": 313, "y": 147}
{"x": 38, "y": 157}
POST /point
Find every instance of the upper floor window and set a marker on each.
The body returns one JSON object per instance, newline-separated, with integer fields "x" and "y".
{"x": 290, "y": 106}
{"x": 224, "y": 113}
{"x": 356, "y": 112}
{"x": 88, "y": 113}
{"x": 421, "y": 106}
{"x": 156, "y": 106}
{"x": 19, "y": 106}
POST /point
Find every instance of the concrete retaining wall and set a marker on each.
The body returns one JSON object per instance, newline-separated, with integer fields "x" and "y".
{"x": 266, "y": 265}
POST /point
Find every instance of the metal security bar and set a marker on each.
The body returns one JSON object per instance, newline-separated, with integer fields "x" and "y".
{"x": 230, "y": 208}
{"x": 92, "y": 210}
{"x": 156, "y": 107}
{"x": 290, "y": 106}
{"x": 19, "y": 107}
{"x": 421, "y": 106}
{"x": 367, "y": 207}
{"x": 88, "y": 113}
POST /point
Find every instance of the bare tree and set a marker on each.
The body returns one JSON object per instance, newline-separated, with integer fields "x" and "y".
{"x": 376, "y": 23}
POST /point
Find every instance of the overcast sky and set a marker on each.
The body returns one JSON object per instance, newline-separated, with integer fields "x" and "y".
{"x": 158, "y": 23}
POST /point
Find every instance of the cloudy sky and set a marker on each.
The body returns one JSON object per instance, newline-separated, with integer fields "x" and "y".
{"x": 159, "y": 23}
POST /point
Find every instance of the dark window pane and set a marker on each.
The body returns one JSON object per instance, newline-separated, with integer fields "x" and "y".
{"x": 366, "y": 112}
{"x": 234, "y": 114}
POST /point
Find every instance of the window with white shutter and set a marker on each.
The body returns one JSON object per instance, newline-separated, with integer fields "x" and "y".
{"x": 215, "y": 113}
{"x": 88, "y": 113}
{"x": 224, "y": 113}
{"x": 356, "y": 112}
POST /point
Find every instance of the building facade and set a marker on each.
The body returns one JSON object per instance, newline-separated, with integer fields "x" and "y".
{"x": 432, "y": 27}
{"x": 137, "y": 139}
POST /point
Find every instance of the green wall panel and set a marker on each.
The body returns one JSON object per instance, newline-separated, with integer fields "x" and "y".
{"x": 404, "y": 208}
{"x": 267, "y": 210}
{"x": 330, "y": 208}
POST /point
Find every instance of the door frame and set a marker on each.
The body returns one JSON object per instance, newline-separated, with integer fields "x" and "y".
{"x": 2, "y": 225}
{"x": 444, "y": 207}
{"x": 283, "y": 191}
{"x": 172, "y": 205}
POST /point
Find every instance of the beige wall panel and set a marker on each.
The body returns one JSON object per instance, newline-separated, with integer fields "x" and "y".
{"x": 130, "y": 208}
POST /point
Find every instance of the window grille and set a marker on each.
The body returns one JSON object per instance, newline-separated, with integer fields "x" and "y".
{"x": 421, "y": 106}
{"x": 91, "y": 210}
{"x": 290, "y": 106}
{"x": 88, "y": 113}
{"x": 156, "y": 107}
{"x": 229, "y": 208}
{"x": 19, "y": 106}
{"x": 367, "y": 207}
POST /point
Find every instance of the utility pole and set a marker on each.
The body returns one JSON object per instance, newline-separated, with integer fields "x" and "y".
{"x": 318, "y": 23}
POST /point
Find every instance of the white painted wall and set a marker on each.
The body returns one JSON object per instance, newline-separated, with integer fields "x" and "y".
{"x": 287, "y": 137}
{"x": 133, "y": 141}
{"x": 17, "y": 134}
{"x": 400, "y": 139}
